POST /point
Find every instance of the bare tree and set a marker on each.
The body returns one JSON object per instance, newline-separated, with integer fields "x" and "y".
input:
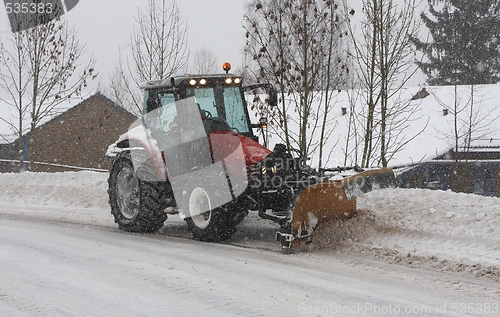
{"x": 294, "y": 44}
{"x": 53, "y": 52}
{"x": 14, "y": 81}
{"x": 267, "y": 45}
{"x": 477, "y": 123}
{"x": 159, "y": 50}
{"x": 44, "y": 73}
{"x": 122, "y": 89}
{"x": 205, "y": 62}
{"x": 470, "y": 124}
{"x": 334, "y": 73}
{"x": 385, "y": 53}
{"x": 352, "y": 141}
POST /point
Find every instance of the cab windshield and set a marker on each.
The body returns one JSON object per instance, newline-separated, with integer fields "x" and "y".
{"x": 223, "y": 105}
{"x": 222, "y": 102}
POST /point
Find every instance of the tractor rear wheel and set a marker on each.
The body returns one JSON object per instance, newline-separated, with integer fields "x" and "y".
{"x": 137, "y": 205}
{"x": 207, "y": 223}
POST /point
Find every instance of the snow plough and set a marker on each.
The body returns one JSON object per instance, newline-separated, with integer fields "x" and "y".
{"x": 194, "y": 153}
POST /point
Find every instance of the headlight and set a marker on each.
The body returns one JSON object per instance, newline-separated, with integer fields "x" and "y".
{"x": 273, "y": 169}
{"x": 269, "y": 166}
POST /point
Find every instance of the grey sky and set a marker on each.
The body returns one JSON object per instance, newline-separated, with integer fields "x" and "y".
{"x": 106, "y": 26}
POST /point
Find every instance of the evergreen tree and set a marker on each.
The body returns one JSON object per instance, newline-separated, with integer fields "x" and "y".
{"x": 465, "y": 46}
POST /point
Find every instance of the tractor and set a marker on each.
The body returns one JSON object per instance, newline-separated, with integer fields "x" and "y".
{"x": 194, "y": 152}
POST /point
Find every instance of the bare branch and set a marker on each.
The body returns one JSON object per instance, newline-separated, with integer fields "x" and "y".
{"x": 40, "y": 72}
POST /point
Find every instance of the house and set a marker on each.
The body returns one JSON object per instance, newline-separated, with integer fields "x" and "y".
{"x": 475, "y": 170}
{"x": 442, "y": 137}
{"x": 471, "y": 161}
{"x": 77, "y": 138}
{"x": 460, "y": 145}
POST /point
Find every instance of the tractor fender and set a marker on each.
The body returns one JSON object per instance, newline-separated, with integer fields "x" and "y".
{"x": 136, "y": 140}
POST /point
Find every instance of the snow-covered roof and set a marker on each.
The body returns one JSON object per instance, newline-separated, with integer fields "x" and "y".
{"x": 425, "y": 132}
{"x": 433, "y": 124}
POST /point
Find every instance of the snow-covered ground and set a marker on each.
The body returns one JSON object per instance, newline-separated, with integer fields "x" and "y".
{"x": 436, "y": 230}
{"x": 405, "y": 248}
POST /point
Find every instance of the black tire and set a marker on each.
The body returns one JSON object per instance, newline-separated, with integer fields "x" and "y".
{"x": 214, "y": 225}
{"x": 137, "y": 205}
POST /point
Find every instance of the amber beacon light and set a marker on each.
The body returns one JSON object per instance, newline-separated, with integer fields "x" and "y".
{"x": 226, "y": 67}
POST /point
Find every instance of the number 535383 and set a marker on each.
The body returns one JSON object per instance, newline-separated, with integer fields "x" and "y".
{"x": 17, "y": 7}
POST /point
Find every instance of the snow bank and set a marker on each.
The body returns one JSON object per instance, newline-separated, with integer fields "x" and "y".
{"x": 84, "y": 189}
{"x": 447, "y": 231}
{"x": 436, "y": 212}
{"x": 74, "y": 197}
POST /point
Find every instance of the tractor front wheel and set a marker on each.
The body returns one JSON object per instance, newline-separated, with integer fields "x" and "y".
{"x": 207, "y": 222}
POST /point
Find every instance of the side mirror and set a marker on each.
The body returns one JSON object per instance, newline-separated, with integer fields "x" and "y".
{"x": 262, "y": 123}
{"x": 273, "y": 97}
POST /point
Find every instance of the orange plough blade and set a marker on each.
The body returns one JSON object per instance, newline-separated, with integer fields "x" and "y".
{"x": 330, "y": 200}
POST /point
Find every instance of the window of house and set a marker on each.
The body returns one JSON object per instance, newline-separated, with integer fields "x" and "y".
{"x": 484, "y": 180}
{"x": 437, "y": 177}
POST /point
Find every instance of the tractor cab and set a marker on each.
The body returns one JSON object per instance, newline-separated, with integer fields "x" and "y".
{"x": 217, "y": 100}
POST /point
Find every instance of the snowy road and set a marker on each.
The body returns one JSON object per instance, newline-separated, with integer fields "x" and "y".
{"x": 52, "y": 268}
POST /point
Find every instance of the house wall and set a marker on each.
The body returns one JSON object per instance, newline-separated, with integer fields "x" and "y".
{"x": 461, "y": 181}
{"x": 80, "y": 136}
{"x": 10, "y": 152}
{"x": 478, "y": 177}
{"x": 6, "y": 153}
